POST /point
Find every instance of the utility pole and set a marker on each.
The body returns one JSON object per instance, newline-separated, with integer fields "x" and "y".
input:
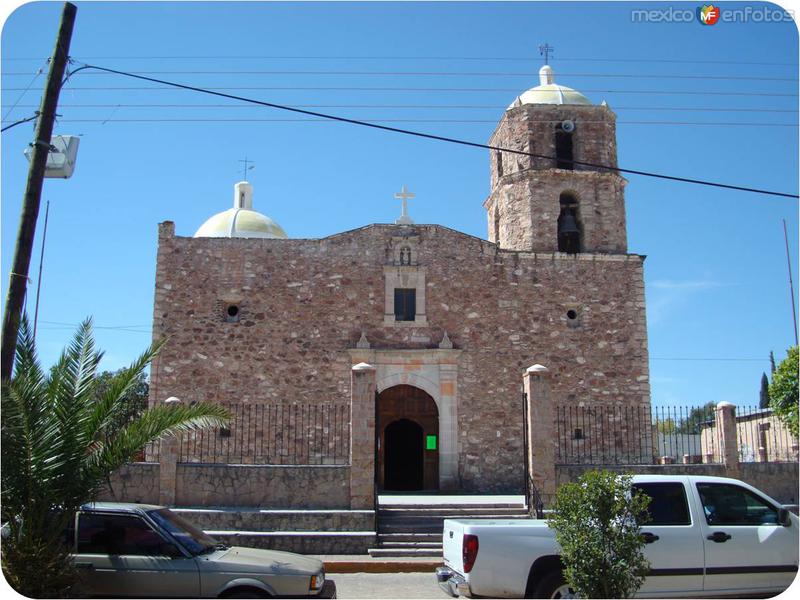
{"x": 791, "y": 285}
{"x": 18, "y": 278}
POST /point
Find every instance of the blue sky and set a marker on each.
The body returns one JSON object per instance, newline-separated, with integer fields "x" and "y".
{"x": 710, "y": 102}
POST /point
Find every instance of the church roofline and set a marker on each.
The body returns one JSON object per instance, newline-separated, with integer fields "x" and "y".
{"x": 536, "y": 255}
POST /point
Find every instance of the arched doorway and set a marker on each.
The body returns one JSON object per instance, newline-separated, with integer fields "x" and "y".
{"x": 408, "y": 440}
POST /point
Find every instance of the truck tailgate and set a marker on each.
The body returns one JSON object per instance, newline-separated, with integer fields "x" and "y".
{"x": 452, "y": 540}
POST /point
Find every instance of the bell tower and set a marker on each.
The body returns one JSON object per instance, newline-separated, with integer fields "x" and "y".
{"x": 551, "y": 202}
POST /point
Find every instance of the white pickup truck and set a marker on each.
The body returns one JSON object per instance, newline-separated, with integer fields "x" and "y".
{"x": 709, "y": 536}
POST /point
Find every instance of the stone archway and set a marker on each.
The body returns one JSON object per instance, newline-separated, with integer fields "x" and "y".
{"x": 407, "y": 453}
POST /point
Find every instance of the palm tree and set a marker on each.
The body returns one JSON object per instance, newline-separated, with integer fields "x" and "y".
{"x": 60, "y": 442}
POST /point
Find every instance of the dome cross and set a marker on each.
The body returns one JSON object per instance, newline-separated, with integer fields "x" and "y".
{"x": 545, "y": 51}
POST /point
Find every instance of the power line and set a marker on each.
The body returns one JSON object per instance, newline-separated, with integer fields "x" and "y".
{"x": 436, "y": 137}
{"x": 449, "y": 121}
{"x": 704, "y": 109}
{"x": 712, "y": 359}
{"x": 20, "y": 122}
{"x": 529, "y": 59}
{"x": 515, "y": 91}
{"x": 527, "y": 74}
{"x": 39, "y": 71}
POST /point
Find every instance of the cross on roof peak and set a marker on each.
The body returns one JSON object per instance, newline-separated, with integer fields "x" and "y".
{"x": 404, "y": 195}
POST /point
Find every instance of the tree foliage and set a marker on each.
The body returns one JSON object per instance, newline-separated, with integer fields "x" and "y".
{"x": 133, "y": 402}
{"x": 763, "y": 394}
{"x": 783, "y": 390}
{"x": 596, "y": 521}
{"x": 61, "y": 439}
{"x": 691, "y": 424}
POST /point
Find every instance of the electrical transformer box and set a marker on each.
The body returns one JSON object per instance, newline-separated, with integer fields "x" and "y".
{"x": 62, "y": 156}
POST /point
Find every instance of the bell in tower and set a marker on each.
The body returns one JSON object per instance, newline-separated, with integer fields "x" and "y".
{"x": 569, "y": 234}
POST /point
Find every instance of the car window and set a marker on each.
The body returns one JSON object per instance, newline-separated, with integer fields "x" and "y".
{"x": 117, "y": 534}
{"x": 727, "y": 504}
{"x": 193, "y": 539}
{"x": 668, "y": 505}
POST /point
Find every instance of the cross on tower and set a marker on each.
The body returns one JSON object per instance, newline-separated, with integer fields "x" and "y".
{"x": 545, "y": 51}
{"x": 404, "y": 195}
{"x": 246, "y": 168}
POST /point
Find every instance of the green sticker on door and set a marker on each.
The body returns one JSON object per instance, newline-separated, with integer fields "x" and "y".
{"x": 430, "y": 442}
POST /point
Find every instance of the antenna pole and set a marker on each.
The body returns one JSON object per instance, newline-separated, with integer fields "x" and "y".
{"x": 18, "y": 278}
{"x": 791, "y": 284}
{"x": 41, "y": 263}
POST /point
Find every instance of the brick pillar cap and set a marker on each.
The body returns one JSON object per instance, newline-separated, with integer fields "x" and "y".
{"x": 537, "y": 369}
{"x": 363, "y": 367}
{"x": 726, "y": 404}
{"x": 173, "y": 400}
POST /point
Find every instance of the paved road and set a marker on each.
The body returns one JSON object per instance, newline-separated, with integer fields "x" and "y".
{"x": 387, "y": 585}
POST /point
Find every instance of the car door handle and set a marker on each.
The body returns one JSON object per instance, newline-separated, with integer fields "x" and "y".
{"x": 649, "y": 538}
{"x": 719, "y": 537}
{"x": 83, "y": 565}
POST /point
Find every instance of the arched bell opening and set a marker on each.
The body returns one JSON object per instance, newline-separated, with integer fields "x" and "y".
{"x": 570, "y": 228}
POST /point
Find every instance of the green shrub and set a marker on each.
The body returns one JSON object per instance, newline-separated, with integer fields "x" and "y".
{"x": 596, "y": 521}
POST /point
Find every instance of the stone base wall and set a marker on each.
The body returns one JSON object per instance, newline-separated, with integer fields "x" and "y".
{"x": 287, "y": 487}
{"x": 135, "y": 482}
{"x": 249, "y": 519}
{"x": 303, "y": 542}
{"x": 778, "y": 480}
{"x": 263, "y": 486}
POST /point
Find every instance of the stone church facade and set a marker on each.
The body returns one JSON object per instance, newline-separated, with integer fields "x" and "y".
{"x": 444, "y": 323}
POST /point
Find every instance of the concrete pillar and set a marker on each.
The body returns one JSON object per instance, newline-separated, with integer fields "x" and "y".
{"x": 168, "y": 470}
{"x": 168, "y": 465}
{"x": 726, "y": 428}
{"x": 362, "y": 437}
{"x": 541, "y": 435}
{"x": 448, "y": 428}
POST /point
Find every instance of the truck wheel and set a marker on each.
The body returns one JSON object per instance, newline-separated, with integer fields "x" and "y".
{"x": 553, "y": 585}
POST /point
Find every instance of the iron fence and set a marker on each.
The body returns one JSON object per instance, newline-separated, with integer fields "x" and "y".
{"x": 665, "y": 435}
{"x": 763, "y": 437}
{"x": 150, "y": 453}
{"x": 608, "y": 434}
{"x": 274, "y": 434}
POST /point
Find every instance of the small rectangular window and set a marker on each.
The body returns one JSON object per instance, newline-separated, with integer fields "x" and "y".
{"x": 668, "y": 504}
{"x": 405, "y": 304}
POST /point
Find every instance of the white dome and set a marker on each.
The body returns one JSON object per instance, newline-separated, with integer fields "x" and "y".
{"x": 241, "y": 221}
{"x": 549, "y": 92}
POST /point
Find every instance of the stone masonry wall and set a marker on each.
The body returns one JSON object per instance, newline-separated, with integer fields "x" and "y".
{"x": 778, "y": 480}
{"x": 304, "y": 303}
{"x": 134, "y": 482}
{"x": 262, "y": 486}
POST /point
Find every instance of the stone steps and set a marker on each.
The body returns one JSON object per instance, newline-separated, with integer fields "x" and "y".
{"x": 415, "y": 529}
